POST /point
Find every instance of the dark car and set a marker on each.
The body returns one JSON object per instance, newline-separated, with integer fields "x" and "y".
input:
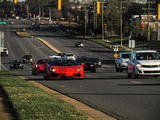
{"x": 16, "y": 64}
{"x": 79, "y": 44}
{"x": 27, "y": 59}
{"x": 89, "y": 63}
{"x": 38, "y": 66}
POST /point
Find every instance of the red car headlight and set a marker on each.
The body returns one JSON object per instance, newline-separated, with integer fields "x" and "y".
{"x": 52, "y": 69}
{"x": 78, "y": 69}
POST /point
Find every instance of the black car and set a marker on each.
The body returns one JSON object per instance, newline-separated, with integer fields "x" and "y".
{"x": 79, "y": 44}
{"x": 27, "y": 59}
{"x": 89, "y": 63}
{"x": 16, "y": 64}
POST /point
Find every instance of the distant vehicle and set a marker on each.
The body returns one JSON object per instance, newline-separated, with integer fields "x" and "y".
{"x": 70, "y": 56}
{"x": 38, "y": 67}
{"x": 89, "y": 63}
{"x": 79, "y": 44}
{"x": 59, "y": 69}
{"x": 143, "y": 63}
{"x": 122, "y": 61}
{"x": 27, "y": 59}
{"x": 4, "y": 51}
{"x": 61, "y": 54}
{"x": 16, "y": 64}
{"x": 55, "y": 57}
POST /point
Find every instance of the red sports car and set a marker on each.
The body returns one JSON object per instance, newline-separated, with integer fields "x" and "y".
{"x": 59, "y": 69}
{"x": 38, "y": 67}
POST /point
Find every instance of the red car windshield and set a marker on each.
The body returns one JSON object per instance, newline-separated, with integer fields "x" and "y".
{"x": 44, "y": 61}
{"x": 64, "y": 63}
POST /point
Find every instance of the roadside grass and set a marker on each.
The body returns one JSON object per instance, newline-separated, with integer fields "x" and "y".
{"x": 33, "y": 103}
{"x": 116, "y": 41}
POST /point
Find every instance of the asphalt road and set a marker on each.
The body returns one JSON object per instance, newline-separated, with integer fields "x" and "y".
{"x": 108, "y": 91}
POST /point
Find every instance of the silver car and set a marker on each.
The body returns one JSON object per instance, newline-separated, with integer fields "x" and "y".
{"x": 122, "y": 61}
{"x": 144, "y": 62}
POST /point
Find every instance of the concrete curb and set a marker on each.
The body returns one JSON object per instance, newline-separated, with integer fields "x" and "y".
{"x": 48, "y": 45}
{"x": 91, "y": 112}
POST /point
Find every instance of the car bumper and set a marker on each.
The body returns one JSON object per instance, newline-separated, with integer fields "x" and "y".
{"x": 38, "y": 70}
{"x": 124, "y": 66}
{"x": 148, "y": 71}
{"x": 77, "y": 75}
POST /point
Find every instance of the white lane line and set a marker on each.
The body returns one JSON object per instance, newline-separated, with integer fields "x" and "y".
{"x": 135, "y": 82}
{"x": 4, "y": 67}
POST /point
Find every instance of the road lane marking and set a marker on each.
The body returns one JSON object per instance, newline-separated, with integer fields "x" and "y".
{"x": 49, "y": 45}
{"x": 136, "y": 82}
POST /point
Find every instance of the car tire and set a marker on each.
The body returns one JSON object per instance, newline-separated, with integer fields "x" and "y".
{"x": 45, "y": 76}
{"x": 129, "y": 75}
{"x": 134, "y": 74}
{"x": 93, "y": 70}
{"x": 117, "y": 70}
{"x": 34, "y": 73}
{"x": 120, "y": 70}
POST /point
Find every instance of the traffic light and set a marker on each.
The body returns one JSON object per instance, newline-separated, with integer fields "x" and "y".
{"x": 142, "y": 26}
{"x": 15, "y": 1}
{"x": 105, "y": 29}
{"x": 59, "y": 4}
{"x": 159, "y": 11}
{"x": 98, "y": 7}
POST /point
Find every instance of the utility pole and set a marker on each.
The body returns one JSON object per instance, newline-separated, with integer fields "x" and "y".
{"x": 121, "y": 24}
{"x": 86, "y": 20}
{"x": 149, "y": 30}
{"x": 102, "y": 22}
{"x": 27, "y": 9}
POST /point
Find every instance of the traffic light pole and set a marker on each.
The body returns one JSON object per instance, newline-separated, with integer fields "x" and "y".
{"x": 121, "y": 29}
{"x": 102, "y": 22}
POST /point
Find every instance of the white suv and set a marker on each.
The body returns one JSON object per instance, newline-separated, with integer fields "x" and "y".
{"x": 69, "y": 56}
{"x": 144, "y": 62}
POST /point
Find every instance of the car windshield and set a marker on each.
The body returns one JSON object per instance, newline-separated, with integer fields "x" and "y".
{"x": 64, "y": 63}
{"x": 148, "y": 56}
{"x": 43, "y": 61}
{"x": 87, "y": 59}
{"x": 16, "y": 61}
{"x": 28, "y": 56}
{"x": 93, "y": 59}
{"x": 126, "y": 55}
{"x": 69, "y": 55}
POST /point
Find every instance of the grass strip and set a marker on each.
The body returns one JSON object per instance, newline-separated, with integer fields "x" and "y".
{"x": 110, "y": 42}
{"x": 33, "y": 103}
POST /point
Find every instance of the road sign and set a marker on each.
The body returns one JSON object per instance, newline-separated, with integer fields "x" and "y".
{"x": 115, "y": 48}
{"x": 131, "y": 44}
{"x": 2, "y": 22}
{"x": 115, "y": 55}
